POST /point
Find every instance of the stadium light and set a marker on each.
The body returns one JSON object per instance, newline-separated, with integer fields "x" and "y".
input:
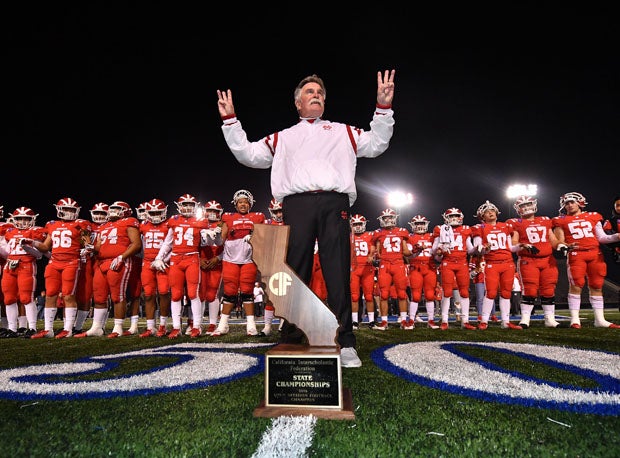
{"x": 516, "y": 190}
{"x": 399, "y": 199}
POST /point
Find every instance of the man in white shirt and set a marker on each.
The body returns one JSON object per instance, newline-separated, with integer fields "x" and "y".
{"x": 313, "y": 174}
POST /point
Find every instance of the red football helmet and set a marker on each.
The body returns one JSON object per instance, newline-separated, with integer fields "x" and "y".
{"x": 213, "y": 210}
{"x": 119, "y": 209}
{"x": 99, "y": 213}
{"x": 484, "y": 207}
{"x": 243, "y": 194}
{"x": 526, "y": 205}
{"x": 23, "y": 218}
{"x": 419, "y": 224}
{"x": 156, "y": 211}
{"x": 358, "y": 224}
{"x": 141, "y": 212}
{"x": 187, "y": 205}
{"x": 573, "y": 197}
{"x": 67, "y": 209}
{"x": 388, "y": 218}
{"x": 453, "y": 217}
{"x": 275, "y": 210}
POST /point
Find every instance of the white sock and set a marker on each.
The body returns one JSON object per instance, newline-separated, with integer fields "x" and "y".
{"x": 196, "y": 307}
{"x": 48, "y": 318}
{"x": 598, "y": 307}
{"x": 430, "y": 310}
{"x": 150, "y": 324}
{"x": 214, "y": 311}
{"x": 504, "y": 309}
{"x": 70, "y": 314}
{"x": 487, "y": 306}
{"x": 464, "y": 309}
{"x": 11, "y": 316}
{"x": 118, "y": 325}
{"x": 574, "y": 304}
{"x": 371, "y": 317}
{"x": 31, "y": 314}
{"x": 413, "y": 309}
{"x": 445, "y": 309}
{"x": 354, "y": 316}
{"x": 176, "y": 309}
{"x": 223, "y": 321}
{"x": 526, "y": 313}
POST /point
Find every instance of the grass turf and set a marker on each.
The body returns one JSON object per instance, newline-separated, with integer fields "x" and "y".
{"x": 394, "y": 417}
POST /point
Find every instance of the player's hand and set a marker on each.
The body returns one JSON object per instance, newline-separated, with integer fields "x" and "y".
{"x": 117, "y": 262}
{"x": 159, "y": 265}
{"x": 247, "y": 238}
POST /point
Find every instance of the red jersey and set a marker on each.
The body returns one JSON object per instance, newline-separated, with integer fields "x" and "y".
{"x": 14, "y": 235}
{"x": 579, "y": 229}
{"x": 153, "y": 236}
{"x": 390, "y": 241}
{"x": 186, "y": 233}
{"x": 425, "y": 242}
{"x": 495, "y": 236}
{"x": 458, "y": 250}
{"x": 534, "y": 232}
{"x": 67, "y": 238}
{"x": 114, "y": 237}
{"x": 362, "y": 243}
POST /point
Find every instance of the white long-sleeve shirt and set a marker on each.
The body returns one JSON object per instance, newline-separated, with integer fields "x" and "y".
{"x": 314, "y": 154}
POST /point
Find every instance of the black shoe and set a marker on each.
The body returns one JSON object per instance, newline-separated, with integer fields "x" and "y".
{"x": 8, "y": 334}
{"x": 356, "y": 325}
{"x": 29, "y": 333}
{"x": 77, "y": 331}
{"x": 21, "y": 331}
{"x": 291, "y": 334}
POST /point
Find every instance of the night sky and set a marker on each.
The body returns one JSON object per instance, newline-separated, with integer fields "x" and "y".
{"x": 121, "y": 104}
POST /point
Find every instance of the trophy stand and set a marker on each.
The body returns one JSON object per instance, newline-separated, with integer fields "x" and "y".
{"x": 299, "y": 379}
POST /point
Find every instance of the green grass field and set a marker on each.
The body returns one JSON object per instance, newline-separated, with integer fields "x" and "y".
{"x": 196, "y": 397}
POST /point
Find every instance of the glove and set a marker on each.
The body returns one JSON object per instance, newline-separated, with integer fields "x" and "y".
{"x": 117, "y": 262}
{"x": 213, "y": 233}
{"x": 159, "y": 265}
{"x": 562, "y": 248}
{"x": 247, "y": 238}
{"x": 86, "y": 251}
{"x": 13, "y": 263}
{"x": 25, "y": 241}
{"x": 530, "y": 248}
{"x": 376, "y": 262}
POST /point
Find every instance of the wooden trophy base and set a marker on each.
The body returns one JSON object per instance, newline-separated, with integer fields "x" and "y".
{"x": 305, "y": 380}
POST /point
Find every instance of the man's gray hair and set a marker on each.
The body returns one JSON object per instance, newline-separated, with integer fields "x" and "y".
{"x": 309, "y": 79}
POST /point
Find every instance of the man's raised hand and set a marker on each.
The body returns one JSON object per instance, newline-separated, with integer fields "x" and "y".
{"x": 385, "y": 88}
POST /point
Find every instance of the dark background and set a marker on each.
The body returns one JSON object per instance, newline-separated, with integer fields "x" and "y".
{"x": 110, "y": 103}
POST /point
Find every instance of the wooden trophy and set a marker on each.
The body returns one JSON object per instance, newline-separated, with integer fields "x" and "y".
{"x": 299, "y": 379}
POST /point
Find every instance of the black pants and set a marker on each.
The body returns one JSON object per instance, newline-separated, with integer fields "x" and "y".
{"x": 323, "y": 216}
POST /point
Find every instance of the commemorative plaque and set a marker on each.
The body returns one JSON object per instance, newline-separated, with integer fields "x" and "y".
{"x": 299, "y": 379}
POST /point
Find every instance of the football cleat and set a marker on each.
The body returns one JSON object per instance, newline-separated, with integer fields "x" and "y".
{"x": 483, "y": 326}
{"x": 161, "y": 331}
{"x": 407, "y": 324}
{"x": 43, "y": 334}
{"x": 444, "y": 326}
{"x": 510, "y": 325}
{"x": 220, "y": 331}
{"x": 174, "y": 334}
{"x": 148, "y": 333}
{"x": 64, "y": 333}
{"x": 114, "y": 335}
{"x": 195, "y": 332}
{"x": 431, "y": 324}
{"x": 468, "y": 326}
{"x": 380, "y": 326}
{"x": 210, "y": 329}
